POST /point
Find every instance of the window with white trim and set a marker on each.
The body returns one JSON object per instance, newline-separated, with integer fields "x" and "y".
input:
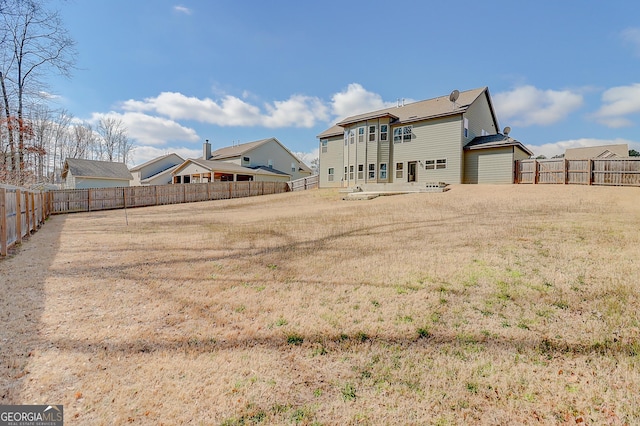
{"x": 383, "y": 171}
{"x": 352, "y": 136}
{"x": 293, "y": 167}
{"x": 345, "y": 173}
{"x": 330, "y": 174}
{"x": 440, "y": 163}
{"x": 346, "y": 137}
{"x": 351, "y": 172}
{"x": 406, "y": 133}
{"x": 466, "y": 127}
{"x": 399, "y": 167}
{"x": 360, "y": 171}
{"x": 402, "y": 134}
{"x": 360, "y": 134}
{"x": 324, "y": 143}
{"x": 372, "y": 133}
{"x": 384, "y": 132}
{"x": 372, "y": 170}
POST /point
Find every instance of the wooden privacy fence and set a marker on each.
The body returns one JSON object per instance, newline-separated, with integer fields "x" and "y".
{"x": 303, "y": 184}
{"x": 605, "y": 171}
{"x": 22, "y": 211}
{"x": 85, "y": 200}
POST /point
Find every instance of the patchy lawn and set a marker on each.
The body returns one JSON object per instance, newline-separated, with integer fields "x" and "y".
{"x": 483, "y": 304}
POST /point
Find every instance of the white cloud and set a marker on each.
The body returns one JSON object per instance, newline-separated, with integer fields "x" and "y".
{"x": 297, "y": 111}
{"x": 528, "y": 105}
{"x": 308, "y": 157}
{"x": 354, "y": 100}
{"x": 619, "y": 102}
{"x": 149, "y": 130}
{"x": 557, "y": 148}
{"x": 182, "y": 9}
{"x": 632, "y": 36}
{"x": 143, "y": 153}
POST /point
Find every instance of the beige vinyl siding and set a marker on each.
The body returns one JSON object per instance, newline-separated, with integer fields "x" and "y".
{"x": 491, "y": 166}
{"x": 431, "y": 140}
{"x": 271, "y": 150}
{"x": 332, "y": 158}
{"x": 520, "y": 154}
{"x": 271, "y": 178}
{"x": 479, "y": 116}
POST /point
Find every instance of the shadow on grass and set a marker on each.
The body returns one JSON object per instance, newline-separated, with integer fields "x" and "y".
{"x": 22, "y": 301}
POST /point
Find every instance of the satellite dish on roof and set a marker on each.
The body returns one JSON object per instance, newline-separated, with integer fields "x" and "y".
{"x": 506, "y": 131}
{"x": 454, "y": 96}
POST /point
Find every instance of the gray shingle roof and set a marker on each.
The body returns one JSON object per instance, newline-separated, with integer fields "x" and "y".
{"x": 495, "y": 141}
{"x": 223, "y": 166}
{"x": 96, "y": 169}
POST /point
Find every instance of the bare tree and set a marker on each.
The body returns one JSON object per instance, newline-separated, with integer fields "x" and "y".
{"x": 33, "y": 43}
{"x": 116, "y": 144}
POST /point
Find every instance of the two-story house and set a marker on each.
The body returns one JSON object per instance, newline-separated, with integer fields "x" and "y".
{"x": 451, "y": 139}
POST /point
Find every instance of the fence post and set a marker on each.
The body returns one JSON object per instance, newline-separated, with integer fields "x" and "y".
{"x": 34, "y": 219}
{"x": 590, "y": 171}
{"x": 3, "y": 222}
{"x": 27, "y": 215}
{"x": 19, "y": 215}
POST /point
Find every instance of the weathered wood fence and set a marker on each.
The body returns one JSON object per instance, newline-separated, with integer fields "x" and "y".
{"x": 85, "y": 200}
{"x": 22, "y": 211}
{"x": 609, "y": 171}
{"x": 303, "y": 184}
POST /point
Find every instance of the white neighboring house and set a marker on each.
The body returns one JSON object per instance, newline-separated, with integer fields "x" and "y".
{"x": 263, "y": 160}
{"x": 82, "y": 174}
{"x": 157, "y": 171}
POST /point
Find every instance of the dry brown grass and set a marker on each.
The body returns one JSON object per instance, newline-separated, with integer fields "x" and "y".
{"x": 481, "y": 305}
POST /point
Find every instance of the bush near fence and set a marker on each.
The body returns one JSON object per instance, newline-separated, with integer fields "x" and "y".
{"x": 22, "y": 211}
{"x": 85, "y": 200}
{"x": 605, "y": 171}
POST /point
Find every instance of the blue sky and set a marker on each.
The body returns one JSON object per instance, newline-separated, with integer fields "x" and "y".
{"x": 561, "y": 73}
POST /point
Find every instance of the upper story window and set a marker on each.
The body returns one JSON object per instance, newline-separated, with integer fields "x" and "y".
{"x": 346, "y": 137}
{"x": 352, "y": 136}
{"x": 323, "y": 145}
{"x": 466, "y": 127}
{"x": 402, "y": 134}
{"x": 246, "y": 159}
{"x": 293, "y": 167}
{"x": 384, "y": 132}
{"x": 372, "y": 133}
{"x": 360, "y": 134}
{"x": 270, "y": 163}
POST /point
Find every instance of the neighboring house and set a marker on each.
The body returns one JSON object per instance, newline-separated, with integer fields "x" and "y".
{"x": 436, "y": 140}
{"x": 263, "y": 160}
{"x": 603, "y": 151}
{"x": 263, "y": 153}
{"x": 197, "y": 170}
{"x": 81, "y": 174}
{"x": 157, "y": 171}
